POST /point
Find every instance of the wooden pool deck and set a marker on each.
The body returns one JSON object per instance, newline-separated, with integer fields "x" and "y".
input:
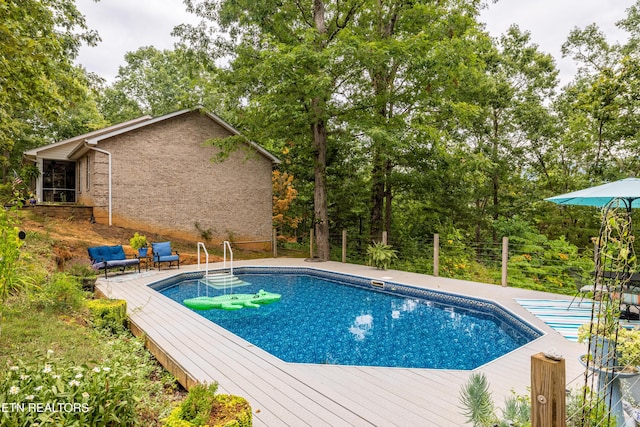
{"x": 287, "y": 394}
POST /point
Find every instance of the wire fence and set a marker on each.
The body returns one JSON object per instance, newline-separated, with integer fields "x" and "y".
{"x": 552, "y": 266}
{"x": 604, "y": 399}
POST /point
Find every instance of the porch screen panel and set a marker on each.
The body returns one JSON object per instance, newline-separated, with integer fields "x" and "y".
{"x": 59, "y": 181}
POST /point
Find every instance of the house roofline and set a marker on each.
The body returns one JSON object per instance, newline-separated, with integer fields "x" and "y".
{"x": 233, "y": 130}
{"x": 92, "y": 139}
{"x": 98, "y": 138}
{"x": 33, "y": 153}
{"x": 95, "y": 140}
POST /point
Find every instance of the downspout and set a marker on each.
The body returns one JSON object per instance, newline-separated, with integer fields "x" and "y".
{"x": 108, "y": 154}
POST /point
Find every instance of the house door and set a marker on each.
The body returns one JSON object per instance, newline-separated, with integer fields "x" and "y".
{"x": 58, "y": 181}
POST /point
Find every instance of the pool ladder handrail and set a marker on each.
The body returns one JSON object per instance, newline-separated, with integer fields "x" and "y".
{"x": 226, "y": 244}
{"x": 206, "y": 267}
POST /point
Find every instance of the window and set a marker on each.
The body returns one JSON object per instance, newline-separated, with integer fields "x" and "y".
{"x": 59, "y": 181}
{"x": 87, "y": 179}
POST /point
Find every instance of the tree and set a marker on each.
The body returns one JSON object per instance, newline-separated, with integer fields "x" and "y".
{"x": 413, "y": 56}
{"x": 513, "y": 122}
{"x": 601, "y": 105}
{"x": 284, "y": 193}
{"x": 287, "y": 63}
{"x": 38, "y": 81}
{"x": 159, "y": 82}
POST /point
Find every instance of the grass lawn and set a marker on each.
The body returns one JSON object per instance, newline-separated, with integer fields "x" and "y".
{"x": 51, "y": 354}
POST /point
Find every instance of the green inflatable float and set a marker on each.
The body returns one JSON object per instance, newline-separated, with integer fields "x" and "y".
{"x": 233, "y": 301}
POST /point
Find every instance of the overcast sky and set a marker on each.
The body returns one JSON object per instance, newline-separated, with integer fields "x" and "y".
{"x": 126, "y": 25}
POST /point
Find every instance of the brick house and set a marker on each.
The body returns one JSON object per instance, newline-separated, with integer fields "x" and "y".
{"x": 156, "y": 175}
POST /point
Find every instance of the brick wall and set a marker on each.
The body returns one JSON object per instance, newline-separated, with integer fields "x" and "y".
{"x": 164, "y": 181}
{"x": 78, "y": 213}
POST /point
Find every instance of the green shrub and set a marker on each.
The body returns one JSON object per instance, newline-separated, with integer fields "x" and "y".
{"x": 55, "y": 392}
{"x": 9, "y": 254}
{"x": 244, "y": 417}
{"x": 381, "y": 255}
{"x": 60, "y": 293}
{"x": 108, "y": 314}
{"x": 82, "y": 270}
{"x": 586, "y": 409}
{"x": 197, "y": 409}
{"x": 480, "y": 409}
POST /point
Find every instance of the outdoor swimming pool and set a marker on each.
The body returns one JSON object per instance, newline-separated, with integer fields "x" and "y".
{"x": 329, "y": 318}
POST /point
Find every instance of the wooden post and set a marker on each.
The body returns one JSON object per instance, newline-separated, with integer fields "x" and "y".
{"x": 311, "y": 243}
{"x": 548, "y": 384}
{"x": 505, "y": 259}
{"x": 384, "y": 237}
{"x": 344, "y": 245}
{"x": 275, "y": 243}
{"x": 436, "y": 254}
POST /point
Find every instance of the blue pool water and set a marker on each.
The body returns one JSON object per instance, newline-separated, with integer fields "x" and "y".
{"x": 327, "y": 321}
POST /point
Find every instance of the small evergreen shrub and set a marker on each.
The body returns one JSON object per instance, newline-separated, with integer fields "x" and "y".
{"x": 204, "y": 407}
{"x": 108, "y": 314}
{"x": 196, "y": 408}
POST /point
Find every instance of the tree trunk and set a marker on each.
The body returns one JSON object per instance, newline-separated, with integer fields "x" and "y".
{"x": 388, "y": 196}
{"x": 382, "y": 80}
{"x": 319, "y": 130}
{"x": 377, "y": 194}
{"x": 321, "y": 216}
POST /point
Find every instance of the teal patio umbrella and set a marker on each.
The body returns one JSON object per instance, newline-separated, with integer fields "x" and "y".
{"x": 623, "y": 193}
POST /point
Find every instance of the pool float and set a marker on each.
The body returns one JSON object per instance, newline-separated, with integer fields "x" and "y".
{"x": 232, "y": 301}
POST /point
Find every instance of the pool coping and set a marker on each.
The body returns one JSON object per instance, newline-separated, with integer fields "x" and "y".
{"x": 510, "y": 320}
{"x": 333, "y": 390}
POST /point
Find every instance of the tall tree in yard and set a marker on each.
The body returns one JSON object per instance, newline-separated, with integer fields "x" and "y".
{"x": 601, "y": 105}
{"x": 519, "y": 80}
{"x": 413, "y": 55}
{"x": 38, "y": 81}
{"x": 288, "y": 61}
{"x": 159, "y": 82}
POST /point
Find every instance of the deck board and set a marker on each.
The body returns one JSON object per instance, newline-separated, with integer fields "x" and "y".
{"x": 283, "y": 394}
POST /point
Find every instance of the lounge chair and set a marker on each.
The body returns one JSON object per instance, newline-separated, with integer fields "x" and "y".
{"x": 584, "y": 285}
{"x": 162, "y": 253}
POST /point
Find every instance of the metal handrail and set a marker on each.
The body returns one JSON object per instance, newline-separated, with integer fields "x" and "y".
{"x": 206, "y": 268}
{"x": 226, "y": 244}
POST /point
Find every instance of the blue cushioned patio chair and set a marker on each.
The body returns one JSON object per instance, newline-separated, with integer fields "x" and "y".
{"x": 110, "y": 257}
{"x": 162, "y": 253}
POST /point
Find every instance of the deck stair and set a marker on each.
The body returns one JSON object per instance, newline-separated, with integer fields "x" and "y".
{"x": 222, "y": 281}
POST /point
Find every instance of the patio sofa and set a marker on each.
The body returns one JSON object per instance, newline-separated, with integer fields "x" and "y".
{"x": 110, "y": 257}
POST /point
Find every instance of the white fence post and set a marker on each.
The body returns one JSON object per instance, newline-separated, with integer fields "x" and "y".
{"x": 436, "y": 254}
{"x": 505, "y": 259}
{"x": 344, "y": 245}
{"x": 275, "y": 243}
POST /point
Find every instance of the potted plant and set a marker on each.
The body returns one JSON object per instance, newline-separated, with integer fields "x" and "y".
{"x": 380, "y": 255}
{"x": 139, "y": 243}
